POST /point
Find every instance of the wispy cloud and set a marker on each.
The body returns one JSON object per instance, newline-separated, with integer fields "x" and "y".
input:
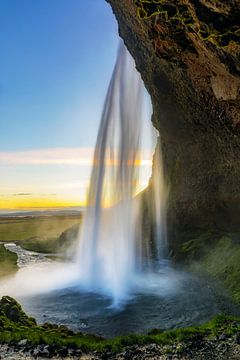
{"x": 58, "y": 156}
{"x": 22, "y": 194}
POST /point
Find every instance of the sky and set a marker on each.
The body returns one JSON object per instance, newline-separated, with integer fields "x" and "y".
{"x": 56, "y": 61}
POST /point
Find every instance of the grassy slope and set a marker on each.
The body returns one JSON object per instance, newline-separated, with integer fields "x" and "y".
{"x": 36, "y": 233}
{"x": 221, "y": 260}
{"x": 8, "y": 262}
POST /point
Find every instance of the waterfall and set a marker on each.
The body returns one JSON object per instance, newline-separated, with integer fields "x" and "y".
{"x": 158, "y": 200}
{"x": 110, "y": 236}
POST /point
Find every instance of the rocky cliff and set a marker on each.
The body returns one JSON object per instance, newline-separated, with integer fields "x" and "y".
{"x": 188, "y": 53}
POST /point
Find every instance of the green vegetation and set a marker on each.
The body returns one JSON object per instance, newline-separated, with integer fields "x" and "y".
{"x": 221, "y": 259}
{"x": 46, "y": 246}
{"x": 223, "y": 263}
{"x": 181, "y": 17}
{"x": 15, "y": 325}
{"x": 197, "y": 246}
{"x": 8, "y": 261}
{"x": 36, "y": 233}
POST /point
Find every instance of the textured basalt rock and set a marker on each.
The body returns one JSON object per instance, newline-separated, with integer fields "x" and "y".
{"x": 188, "y": 53}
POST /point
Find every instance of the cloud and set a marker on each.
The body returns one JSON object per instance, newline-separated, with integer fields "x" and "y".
{"x": 59, "y": 156}
{"x": 22, "y": 194}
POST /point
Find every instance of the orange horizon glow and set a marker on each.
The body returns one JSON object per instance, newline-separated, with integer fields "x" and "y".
{"x": 34, "y": 203}
{"x": 23, "y": 203}
{"x": 55, "y": 178}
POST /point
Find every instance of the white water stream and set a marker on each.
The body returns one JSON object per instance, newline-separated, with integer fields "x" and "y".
{"x": 111, "y": 234}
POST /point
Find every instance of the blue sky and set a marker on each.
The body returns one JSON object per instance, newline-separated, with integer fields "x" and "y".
{"x": 56, "y": 61}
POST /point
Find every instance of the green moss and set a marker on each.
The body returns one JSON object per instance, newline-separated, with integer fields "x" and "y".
{"x": 8, "y": 261}
{"x": 180, "y": 16}
{"x": 48, "y": 246}
{"x": 197, "y": 246}
{"x": 20, "y": 326}
{"x": 219, "y": 257}
{"x": 11, "y": 311}
{"x": 223, "y": 262}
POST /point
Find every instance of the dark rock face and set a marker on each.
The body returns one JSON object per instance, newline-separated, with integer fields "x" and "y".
{"x": 188, "y": 53}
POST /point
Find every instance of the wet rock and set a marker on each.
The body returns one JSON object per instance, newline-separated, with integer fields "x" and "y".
{"x": 22, "y": 342}
{"x": 63, "y": 351}
{"x": 36, "y": 351}
{"x": 78, "y": 352}
{"x": 46, "y": 351}
{"x": 128, "y": 354}
{"x": 223, "y": 337}
{"x": 106, "y": 355}
{"x": 152, "y": 348}
{"x": 237, "y": 338}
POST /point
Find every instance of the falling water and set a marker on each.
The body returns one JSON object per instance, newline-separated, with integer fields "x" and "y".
{"x": 110, "y": 233}
{"x": 158, "y": 201}
{"x": 117, "y": 256}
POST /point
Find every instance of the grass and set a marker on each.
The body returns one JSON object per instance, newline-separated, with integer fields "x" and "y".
{"x": 36, "y": 233}
{"x": 12, "y": 229}
{"x": 15, "y": 325}
{"x": 193, "y": 246}
{"x": 218, "y": 256}
{"x": 8, "y": 261}
{"x": 223, "y": 263}
{"x": 46, "y": 245}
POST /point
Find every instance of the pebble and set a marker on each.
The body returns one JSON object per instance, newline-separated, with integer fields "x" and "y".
{"x": 224, "y": 347}
{"x": 22, "y": 342}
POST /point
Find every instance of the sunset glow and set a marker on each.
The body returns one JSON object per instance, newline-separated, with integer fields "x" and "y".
{"x": 57, "y": 177}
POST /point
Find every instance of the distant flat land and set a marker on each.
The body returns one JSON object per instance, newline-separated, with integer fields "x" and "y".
{"x": 45, "y": 227}
{"x": 39, "y": 233}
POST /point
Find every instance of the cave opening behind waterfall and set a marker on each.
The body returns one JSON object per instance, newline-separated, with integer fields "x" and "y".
{"x": 119, "y": 280}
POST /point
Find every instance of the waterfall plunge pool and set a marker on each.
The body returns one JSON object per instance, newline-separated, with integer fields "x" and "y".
{"x": 168, "y": 300}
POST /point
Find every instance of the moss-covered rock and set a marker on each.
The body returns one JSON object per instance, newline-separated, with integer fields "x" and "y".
{"x": 11, "y": 310}
{"x": 217, "y": 256}
{"x": 8, "y": 261}
{"x": 223, "y": 263}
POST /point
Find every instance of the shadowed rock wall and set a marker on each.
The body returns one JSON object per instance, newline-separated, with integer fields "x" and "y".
{"x": 188, "y": 55}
